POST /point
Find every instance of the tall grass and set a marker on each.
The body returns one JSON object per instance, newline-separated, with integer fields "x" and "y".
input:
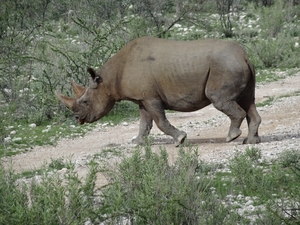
{"x": 50, "y": 198}
{"x": 145, "y": 188}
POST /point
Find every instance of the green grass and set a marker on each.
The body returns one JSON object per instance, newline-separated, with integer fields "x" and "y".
{"x": 50, "y": 198}
{"x": 266, "y": 76}
{"x": 272, "y": 75}
{"x": 146, "y": 189}
{"x": 23, "y": 137}
{"x": 54, "y": 166}
{"x": 272, "y": 99}
{"x": 269, "y": 101}
{"x": 248, "y": 176}
{"x": 108, "y": 153}
{"x": 124, "y": 110}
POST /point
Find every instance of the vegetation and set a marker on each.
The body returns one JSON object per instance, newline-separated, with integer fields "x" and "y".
{"x": 146, "y": 189}
{"x": 49, "y": 198}
{"x": 44, "y": 43}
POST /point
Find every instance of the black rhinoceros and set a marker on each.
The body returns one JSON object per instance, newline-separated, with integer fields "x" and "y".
{"x": 159, "y": 74}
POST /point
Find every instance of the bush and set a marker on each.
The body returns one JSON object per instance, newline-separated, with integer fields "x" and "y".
{"x": 247, "y": 174}
{"x": 275, "y": 44}
{"x": 290, "y": 158}
{"x": 273, "y": 184}
{"x": 146, "y": 189}
{"x": 279, "y": 52}
{"x": 50, "y": 198}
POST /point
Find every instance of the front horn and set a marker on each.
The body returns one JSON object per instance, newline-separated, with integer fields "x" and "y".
{"x": 68, "y": 101}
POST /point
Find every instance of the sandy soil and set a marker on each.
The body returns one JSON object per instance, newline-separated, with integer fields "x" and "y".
{"x": 206, "y": 128}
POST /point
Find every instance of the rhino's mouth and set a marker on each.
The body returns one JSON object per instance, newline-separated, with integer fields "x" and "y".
{"x": 80, "y": 120}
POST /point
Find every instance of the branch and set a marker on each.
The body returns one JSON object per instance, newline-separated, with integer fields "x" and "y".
{"x": 174, "y": 22}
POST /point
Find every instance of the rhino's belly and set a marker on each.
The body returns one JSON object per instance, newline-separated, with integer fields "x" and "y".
{"x": 187, "y": 103}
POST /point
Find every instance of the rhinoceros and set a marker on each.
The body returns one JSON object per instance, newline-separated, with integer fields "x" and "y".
{"x": 159, "y": 74}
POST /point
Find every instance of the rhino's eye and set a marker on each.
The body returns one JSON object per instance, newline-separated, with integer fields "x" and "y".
{"x": 85, "y": 102}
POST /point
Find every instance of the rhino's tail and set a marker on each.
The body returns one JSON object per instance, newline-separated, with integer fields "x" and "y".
{"x": 251, "y": 67}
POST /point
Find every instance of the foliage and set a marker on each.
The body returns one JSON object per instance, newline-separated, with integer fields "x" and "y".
{"x": 265, "y": 181}
{"x": 19, "y": 136}
{"x": 45, "y": 43}
{"x": 22, "y": 136}
{"x": 145, "y": 188}
{"x": 276, "y": 45}
{"x": 50, "y": 198}
{"x": 224, "y": 10}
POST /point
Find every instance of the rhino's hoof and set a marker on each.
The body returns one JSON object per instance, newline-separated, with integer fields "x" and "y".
{"x": 138, "y": 141}
{"x": 180, "y": 139}
{"x": 253, "y": 140}
{"x": 234, "y": 134}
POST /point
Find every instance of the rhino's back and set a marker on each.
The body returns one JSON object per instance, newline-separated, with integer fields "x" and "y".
{"x": 160, "y": 58}
{"x": 177, "y": 71}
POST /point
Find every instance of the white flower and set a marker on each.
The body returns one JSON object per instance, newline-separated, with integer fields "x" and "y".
{"x": 32, "y": 125}
{"x": 17, "y": 139}
{"x": 296, "y": 45}
{"x": 176, "y": 25}
{"x": 7, "y": 139}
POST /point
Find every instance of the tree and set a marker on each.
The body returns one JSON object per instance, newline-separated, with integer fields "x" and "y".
{"x": 224, "y": 10}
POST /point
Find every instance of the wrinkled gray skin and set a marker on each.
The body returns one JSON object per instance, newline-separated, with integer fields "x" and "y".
{"x": 185, "y": 76}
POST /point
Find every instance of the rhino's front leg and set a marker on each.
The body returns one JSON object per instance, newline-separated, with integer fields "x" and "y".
{"x": 156, "y": 111}
{"x": 146, "y": 123}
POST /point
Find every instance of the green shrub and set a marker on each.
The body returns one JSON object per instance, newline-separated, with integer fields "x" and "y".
{"x": 291, "y": 159}
{"x": 50, "y": 198}
{"x": 279, "y": 52}
{"x": 146, "y": 189}
{"x": 273, "y": 184}
{"x": 245, "y": 170}
{"x": 122, "y": 110}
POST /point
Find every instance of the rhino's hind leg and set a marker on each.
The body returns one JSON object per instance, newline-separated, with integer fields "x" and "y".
{"x": 157, "y": 112}
{"x": 236, "y": 115}
{"x": 253, "y": 120}
{"x": 146, "y": 123}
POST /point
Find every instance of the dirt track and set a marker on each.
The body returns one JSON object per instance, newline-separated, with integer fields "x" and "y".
{"x": 206, "y": 128}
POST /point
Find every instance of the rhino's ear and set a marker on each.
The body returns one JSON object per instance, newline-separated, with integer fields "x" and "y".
{"x": 95, "y": 77}
{"x": 68, "y": 101}
{"x": 78, "y": 89}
